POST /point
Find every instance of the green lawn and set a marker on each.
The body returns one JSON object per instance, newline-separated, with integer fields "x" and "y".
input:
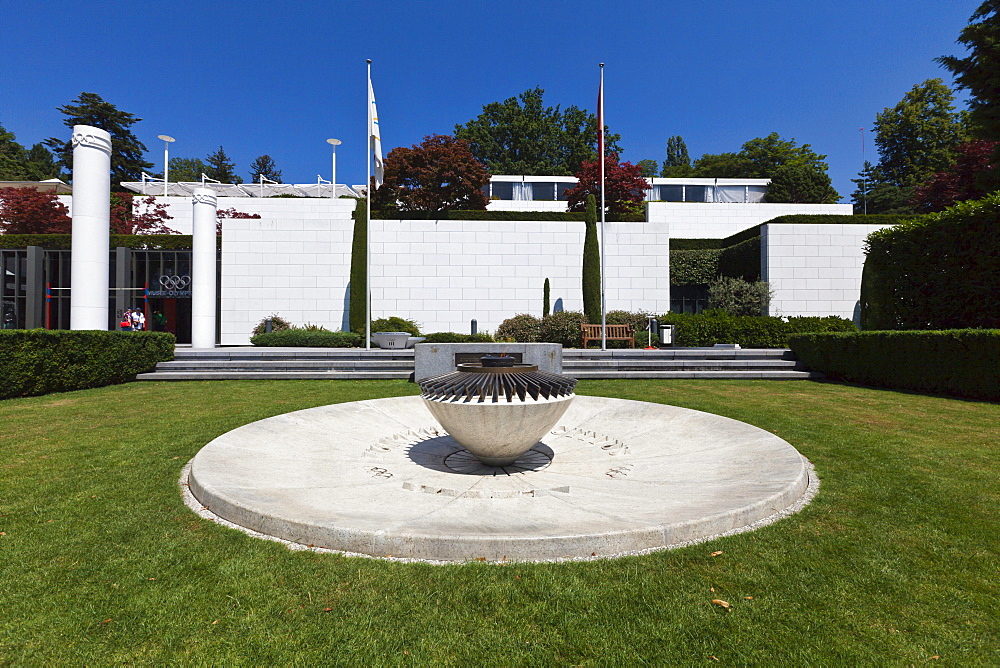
{"x": 896, "y": 561}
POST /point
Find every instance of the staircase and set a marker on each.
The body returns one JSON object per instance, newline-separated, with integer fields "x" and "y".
{"x": 357, "y": 364}
{"x": 749, "y": 363}
{"x": 284, "y": 364}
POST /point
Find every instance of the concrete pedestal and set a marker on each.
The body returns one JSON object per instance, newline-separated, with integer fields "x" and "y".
{"x": 89, "y": 273}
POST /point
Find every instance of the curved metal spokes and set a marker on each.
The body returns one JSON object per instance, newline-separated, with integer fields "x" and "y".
{"x": 491, "y": 387}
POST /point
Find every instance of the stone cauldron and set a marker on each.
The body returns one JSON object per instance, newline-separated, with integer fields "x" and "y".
{"x": 497, "y": 409}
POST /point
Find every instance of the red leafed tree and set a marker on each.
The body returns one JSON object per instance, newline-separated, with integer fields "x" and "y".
{"x": 150, "y": 219}
{"x": 439, "y": 174}
{"x": 960, "y": 182}
{"x": 624, "y": 185}
{"x": 28, "y": 211}
{"x": 231, "y": 212}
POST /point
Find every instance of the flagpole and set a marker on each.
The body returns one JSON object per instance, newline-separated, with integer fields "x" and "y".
{"x": 368, "y": 218}
{"x": 600, "y": 131}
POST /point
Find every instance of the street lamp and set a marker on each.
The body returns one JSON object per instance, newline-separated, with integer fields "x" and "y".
{"x": 333, "y": 165}
{"x": 166, "y": 159}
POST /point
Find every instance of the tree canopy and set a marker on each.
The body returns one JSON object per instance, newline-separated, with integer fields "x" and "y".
{"x": 678, "y": 162}
{"x": 624, "y": 186}
{"x": 264, "y": 166}
{"x": 522, "y": 136}
{"x": 758, "y": 159}
{"x": 979, "y": 71}
{"x": 127, "y": 163}
{"x": 439, "y": 174}
{"x": 221, "y": 168}
{"x": 960, "y": 181}
{"x": 649, "y": 168}
{"x": 28, "y": 211}
{"x": 800, "y": 184}
{"x": 19, "y": 164}
{"x": 186, "y": 169}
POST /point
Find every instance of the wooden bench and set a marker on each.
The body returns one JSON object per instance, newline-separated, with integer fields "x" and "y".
{"x": 613, "y": 333}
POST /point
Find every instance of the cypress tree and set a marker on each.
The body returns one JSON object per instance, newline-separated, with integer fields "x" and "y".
{"x": 545, "y": 299}
{"x": 591, "y": 264}
{"x": 359, "y": 274}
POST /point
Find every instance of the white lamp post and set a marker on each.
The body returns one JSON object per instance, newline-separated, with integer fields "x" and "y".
{"x": 166, "y": 159}
{"x": 333, "y": 165}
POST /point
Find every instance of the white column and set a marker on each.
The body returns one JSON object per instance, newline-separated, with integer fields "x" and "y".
{"x": 203, "y": 276}
{"x": 91, "y": 228}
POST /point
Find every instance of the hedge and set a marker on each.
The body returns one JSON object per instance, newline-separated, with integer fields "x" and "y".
{"x": 694, "y": 267}
{"x": 963, "y": 362}
{"x": 748, "y": 331}
{"x": 566, "y": 216}
{"x": 696, "y": 244}
{"x": 303, "y": 338}
{"x": 741, "y": 260}
{"x": 455, "y": 337}
{"x": 939, "y": 271}
{"x": 39, "y": 361}
{"x": 65, "y": 241}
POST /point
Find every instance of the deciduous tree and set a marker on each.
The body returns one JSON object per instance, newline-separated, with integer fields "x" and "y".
{"x": 146, "y": 216}
{"x": 127, "y": 163}
{"x": 186, "y": 169}
{"x": 800, "y": 184}
{"x": 649, "y": 168}
{"x": 678, "y": 162}
{"x": 624, "y": 186}
{"x": 960, "y": 181}
{"x": 28, "y": 211}
{"x": 523, "y": 136}
{"x": 439, "y": 174}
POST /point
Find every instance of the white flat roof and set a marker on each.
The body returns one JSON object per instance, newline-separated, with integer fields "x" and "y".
{"x": 186, "y": 188}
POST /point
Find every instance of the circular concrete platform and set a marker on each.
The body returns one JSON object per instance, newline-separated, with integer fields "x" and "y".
{"x": 614, "y": 477}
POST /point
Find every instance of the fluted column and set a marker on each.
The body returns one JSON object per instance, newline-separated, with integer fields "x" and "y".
{"x": 91, "y": 228}
{"x": 203, "y": 268}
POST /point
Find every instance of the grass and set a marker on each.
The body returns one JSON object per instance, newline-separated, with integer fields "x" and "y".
{"x": 894, "y": 563}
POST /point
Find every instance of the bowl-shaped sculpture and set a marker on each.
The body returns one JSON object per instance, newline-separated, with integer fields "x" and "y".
{"x": 497, "y": 410}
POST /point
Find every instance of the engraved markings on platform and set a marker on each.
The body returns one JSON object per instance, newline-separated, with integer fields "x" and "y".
{"x": 443, "y": 454}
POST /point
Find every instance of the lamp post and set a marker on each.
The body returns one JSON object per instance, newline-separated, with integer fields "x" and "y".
{"x": 333, "y": 165}
{"x": 166, "y": 159}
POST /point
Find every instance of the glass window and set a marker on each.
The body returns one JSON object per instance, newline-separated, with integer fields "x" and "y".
{"x": 503, "y": 190}
{"x": 670, "y": 193}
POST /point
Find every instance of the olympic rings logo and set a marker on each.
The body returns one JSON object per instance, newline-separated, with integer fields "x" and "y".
{"x": 175, "y": 282}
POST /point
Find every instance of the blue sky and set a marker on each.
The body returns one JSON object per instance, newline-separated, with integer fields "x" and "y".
{"x": 279, "y": 78}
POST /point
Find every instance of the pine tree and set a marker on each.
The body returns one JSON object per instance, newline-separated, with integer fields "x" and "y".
{"x": 126, "y": 149}
{"x": 358, "y": 313}
{"x": 221, "y": 168}
{"x": 591, "y": 264}
{"x": 264, "y": 166}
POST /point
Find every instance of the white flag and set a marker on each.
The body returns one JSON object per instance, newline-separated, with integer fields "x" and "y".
{"x": 374, "y": 136}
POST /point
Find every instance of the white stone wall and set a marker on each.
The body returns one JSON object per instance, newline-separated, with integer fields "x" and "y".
{"x": 440, "y": 273}
{"x": 268, "y": 207}
{"x": 814, "y": 269}
{"x": 526, "y": 205}
{"x": 693, "y": 220}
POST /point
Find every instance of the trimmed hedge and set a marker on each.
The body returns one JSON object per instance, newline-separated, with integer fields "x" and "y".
{"x": 748, "y": 331}
{"x": 696, "y": 244}
{"x": 694, "y": 267}
{"x": 820, "y": 219}
{"x": 566, "y": 216}
{"x": 39, "y": 361}
{"x": 303, "y": 338}
{"x": 963, "y": 362}
{"x": 741, "y": 260}
{"x": 939, "y": 271}
{"x": 65, "y": 241}
{"x": 455, "y": 337}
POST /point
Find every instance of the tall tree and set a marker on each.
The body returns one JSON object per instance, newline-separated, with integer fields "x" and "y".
{"x": 979, "y": 73}
{"x": 721, "y": 166}
{"x": 221, "y": 168}
{"x": 624, "y": 187}
{"x": 523, "y": 136}
{"x": 439, "y": 174}
{"x": 187, "y": 169}
{"x": 678, "y": 162}
{"x": 960, "y": 181}
{"x": 649, "y": 168}
{"x": 264, "y": 166}
{"x": 591, "y": 263}
{"x": 800, "y": 184}
{"x": 126, "y": 149}
{"x": 875, "y": 195}
{"x": 358, "y": 306}
{"x": 41, "y": 164}
{"x": 918, "y": 137}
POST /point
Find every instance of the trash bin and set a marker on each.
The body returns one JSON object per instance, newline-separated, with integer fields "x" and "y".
{"x": 667, "y": 335}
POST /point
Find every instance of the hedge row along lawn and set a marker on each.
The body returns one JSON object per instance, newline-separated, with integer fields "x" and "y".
{"x": 894, "y": 562}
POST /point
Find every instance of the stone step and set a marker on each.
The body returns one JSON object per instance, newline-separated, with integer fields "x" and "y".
{"x": 724, "y": 374}
{"x": 274, "y": 375}
{"x": 286, "y": 365}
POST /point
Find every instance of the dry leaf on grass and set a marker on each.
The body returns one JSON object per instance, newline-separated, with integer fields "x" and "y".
{"x": 722, "y": 604}
{"x": 716, "y": 553}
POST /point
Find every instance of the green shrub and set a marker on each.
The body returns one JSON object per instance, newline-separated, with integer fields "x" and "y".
{"x": 748, "y": 331}
{"x": 65, "y": 241}
{"x": 738, "y": 297}
{"x": 358, "y": 311}
{"x": 637, "y": 319}
{"x": 455, "y": 337}
{"x": 38, "y": 361}
{"x": 306, "y": 338}
{"x": 523, "y": 328}
{"x": 394, "y": 324}
{"x": 278, "y": 324}
{"x": 566, "y": 216}
{"x": 964, "y": 362}
{"x": 741, "y": 260}
{"x": 939, "y": 271}
{"x": 591, "y": 261}
{"x": 696, "y": 244}
{"x": 564, "y": 328}
{"x": 694, "y": 267}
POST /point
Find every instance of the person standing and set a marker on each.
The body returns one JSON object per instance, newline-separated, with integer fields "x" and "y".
{"x": 139, "y": 318}
{"x": 126, "y": 320}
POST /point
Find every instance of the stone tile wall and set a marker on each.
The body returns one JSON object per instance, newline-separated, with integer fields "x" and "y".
{"x": 693, "y": 220}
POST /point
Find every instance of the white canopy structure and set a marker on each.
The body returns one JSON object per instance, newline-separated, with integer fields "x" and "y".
{"x": 152, "y": 186}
